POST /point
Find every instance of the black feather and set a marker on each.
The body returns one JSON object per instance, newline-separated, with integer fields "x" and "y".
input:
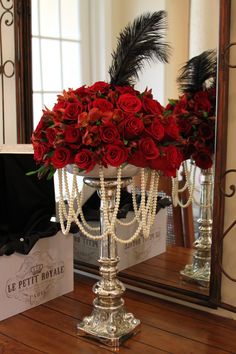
{"x": 143, "y": 40}
{"x": 197, "y": 71}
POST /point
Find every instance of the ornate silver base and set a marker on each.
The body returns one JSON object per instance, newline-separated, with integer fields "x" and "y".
{"x": 110, "y": 326}
{"x": 200, "y": 276}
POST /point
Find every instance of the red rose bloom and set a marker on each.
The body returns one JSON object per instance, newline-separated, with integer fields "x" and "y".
{"x": 152, "y": 106}
{"x": 61, "y": 157}
{"x": 138, "y": 159}
{"x": 149, "y": 148}
{"x": 203, "y": 159}
{"x": 172, "y": 129}
{"x": 109, "y": 133}
{"x": 103, "y": 104}
{"x": 181, "y": 106}
{"x": 51, "y": 134}
{"x": 72, "y": 134}
{"x": 85, "y": 160}
{"x": 156, "y": 130}
{"x": 100, "y": 86}
{"x": 40, "y": 150}
{"x": 129, "y": 103}
{"x": 168, "y": 162}
{"x": 72, "y": 111}
{"x": 132, "y": 127}
{"x": 206, "y": 131}
{"x": 201, "y": 102}
{"x": 115, "y": 155}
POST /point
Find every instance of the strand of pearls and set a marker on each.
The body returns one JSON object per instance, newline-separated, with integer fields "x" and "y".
{"x": 191, "y": 185}
{"x": 144, "y": 215}
{"x": 79, "y": 200}
{"x": 135, "y": 207}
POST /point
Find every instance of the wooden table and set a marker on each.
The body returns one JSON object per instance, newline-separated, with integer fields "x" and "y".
{"x": 166, "y": 327}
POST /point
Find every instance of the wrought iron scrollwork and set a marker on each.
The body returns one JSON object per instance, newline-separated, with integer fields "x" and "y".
{"x": 226, "y": 56}
{"x": 232, "y": 187}
{"x": 7, "y": 67}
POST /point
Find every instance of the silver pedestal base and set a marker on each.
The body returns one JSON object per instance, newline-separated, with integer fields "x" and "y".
{"x": 200, "y": 276}
{"x": 109, "y": 326}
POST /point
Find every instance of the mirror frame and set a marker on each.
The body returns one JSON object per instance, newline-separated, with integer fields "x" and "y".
{"x": 23, "y": 67}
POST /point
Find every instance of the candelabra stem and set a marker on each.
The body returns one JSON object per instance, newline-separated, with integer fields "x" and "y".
{"x": 200, "y": 270}
{"x": 109, "y": 322}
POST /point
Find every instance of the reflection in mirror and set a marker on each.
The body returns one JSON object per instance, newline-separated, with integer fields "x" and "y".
{"x": 71, "y": 46}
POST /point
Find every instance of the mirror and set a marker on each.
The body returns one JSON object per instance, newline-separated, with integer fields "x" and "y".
{"x": 161, "y": 273}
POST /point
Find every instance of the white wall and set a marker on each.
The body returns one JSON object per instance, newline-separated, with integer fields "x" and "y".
{"x": 204, "y": 16}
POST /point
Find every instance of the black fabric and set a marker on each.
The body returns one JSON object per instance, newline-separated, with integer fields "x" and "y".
{"x": 26, "y": 205}
{"x": 91, "y": 208}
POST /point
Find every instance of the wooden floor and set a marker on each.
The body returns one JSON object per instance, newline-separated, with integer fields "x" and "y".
{"x": 166, "y": 327}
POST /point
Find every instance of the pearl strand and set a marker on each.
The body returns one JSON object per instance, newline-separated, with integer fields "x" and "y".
{"x": 147, "y": 209}
{"x": 175, "y": 190}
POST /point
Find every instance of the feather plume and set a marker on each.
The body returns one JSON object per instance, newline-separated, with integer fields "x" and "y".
{"x": 141, "y": 41}
{"x": 198, "y": 73}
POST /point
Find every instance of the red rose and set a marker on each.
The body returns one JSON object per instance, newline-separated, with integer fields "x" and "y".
{"x": 126, "y": 89}
{"x": 138, "y": 159}
{"x": 129, "y": 103}
{"x": 115, "y": 155}
{"x": 40, "y": 150}
{"x": 156, "y": 130}
{"x": 61, "y": 157}
{"x": 132, "y": 127}
{"x": 184, "y": 125}
{"x": 203, "y": 159}
{"x": 171, "y": 128}
{"x": 99, "y": 86}
{"x": 51, "y": 135}
{"x": 149, "y": 148}
{"x": 201, "y": 102}
{"x": 109, "y": 133}
{"x": 103, "y": 104}
{"x": 81, "y": 91}
{"x": 169, "y": 161}
{"x": 206, "y": 130}
{"x": 72, "y": 111}
{"x": 85, "y": 160}
{"x": 152, "y": 106}
{"x": 72, "y": 134}
{"x": 181, "y": 107}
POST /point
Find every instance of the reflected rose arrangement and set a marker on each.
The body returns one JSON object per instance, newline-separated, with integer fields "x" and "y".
{"x": 107, "y": 125}
{"x": 194, "y": 114}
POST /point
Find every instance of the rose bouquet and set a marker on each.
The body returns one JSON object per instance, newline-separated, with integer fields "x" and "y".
{"x": 194, "y": 111}
{"x": 112, "y": 124}
{"x": 106, "y": 125}
{"x": 195, "y": 116}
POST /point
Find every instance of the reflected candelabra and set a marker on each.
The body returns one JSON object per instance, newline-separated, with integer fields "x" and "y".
{"x": 199, "y": 271}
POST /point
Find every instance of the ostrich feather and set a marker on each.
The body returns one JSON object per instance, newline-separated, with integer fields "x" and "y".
{"x": 198, "y": 73}
{"x": 141, "y": 41}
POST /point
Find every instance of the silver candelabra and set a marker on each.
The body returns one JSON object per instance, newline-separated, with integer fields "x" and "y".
{"x": 109, "y": 322}
{"x": 199, "y": 271}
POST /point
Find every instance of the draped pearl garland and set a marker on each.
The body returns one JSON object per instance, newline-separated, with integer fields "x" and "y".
{"x": 144, "y": 215}
{"x": 190, "y": 176}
